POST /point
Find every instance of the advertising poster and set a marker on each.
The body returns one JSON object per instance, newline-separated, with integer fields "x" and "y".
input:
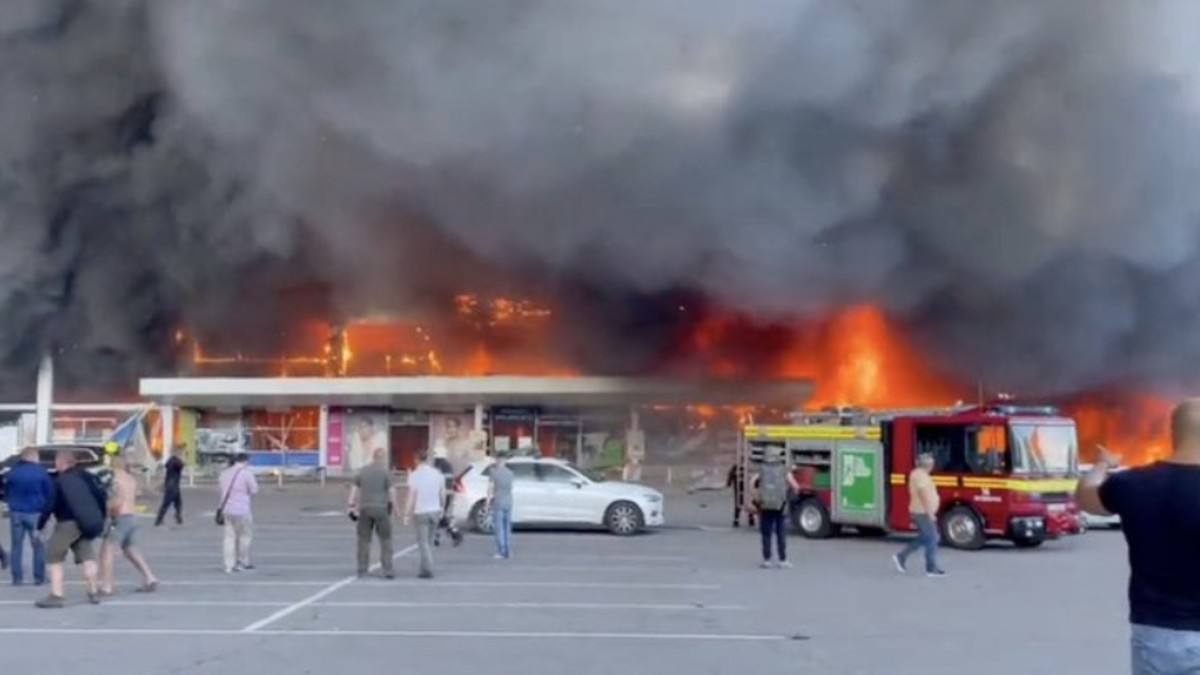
{"x": 363, "y": 432}
{"x": 220, "y": 436}
{"x": 335, "y": 431}
{"x": 451, "y": 437}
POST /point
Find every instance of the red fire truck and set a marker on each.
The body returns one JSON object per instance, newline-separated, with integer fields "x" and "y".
{"x": 1003, "y": 471}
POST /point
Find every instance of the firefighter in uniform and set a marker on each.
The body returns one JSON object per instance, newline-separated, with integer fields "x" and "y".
{"x": 111, "y": 449}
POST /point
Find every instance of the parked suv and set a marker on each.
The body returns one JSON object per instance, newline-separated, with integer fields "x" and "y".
{"x": 90, "y": 457}
{"x": 550, "y": 491}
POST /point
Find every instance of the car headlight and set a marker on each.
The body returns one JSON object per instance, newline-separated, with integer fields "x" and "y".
{"x": 652, "y": 497}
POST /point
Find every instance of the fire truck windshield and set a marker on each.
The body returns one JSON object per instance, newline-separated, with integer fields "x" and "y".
{"x": 1044, "y": 449}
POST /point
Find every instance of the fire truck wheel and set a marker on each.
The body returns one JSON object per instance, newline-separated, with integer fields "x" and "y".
{"x": 481, "y": 517}
{"x": 962, "y": 529}
{"x": 811, "y": 520}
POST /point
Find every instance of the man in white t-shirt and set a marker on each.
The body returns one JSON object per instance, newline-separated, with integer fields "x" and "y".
{"x": 426, "y": 495}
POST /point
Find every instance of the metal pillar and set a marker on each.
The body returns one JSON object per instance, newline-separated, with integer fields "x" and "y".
{"x": 45, "y": 399}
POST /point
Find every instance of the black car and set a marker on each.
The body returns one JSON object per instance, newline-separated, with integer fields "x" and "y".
{"x": 90, "y": 457}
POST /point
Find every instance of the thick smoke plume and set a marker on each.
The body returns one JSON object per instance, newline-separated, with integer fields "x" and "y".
{"x": 1017, "y": 181}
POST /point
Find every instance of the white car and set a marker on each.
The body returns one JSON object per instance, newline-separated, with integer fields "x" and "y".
{"x": 1092, "y": 521}
{"x": 553, "y": 492}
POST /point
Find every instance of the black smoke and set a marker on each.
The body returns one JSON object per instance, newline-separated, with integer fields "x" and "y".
{"x": 1013, "y": 180}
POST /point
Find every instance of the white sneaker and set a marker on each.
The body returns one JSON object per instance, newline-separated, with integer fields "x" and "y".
{"x": 767, "y": 564}
{"x": 899, "y": 564}
{"x": 784, "y": 564}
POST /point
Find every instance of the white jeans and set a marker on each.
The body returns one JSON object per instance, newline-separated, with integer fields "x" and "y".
{"x": 238, "y": 533}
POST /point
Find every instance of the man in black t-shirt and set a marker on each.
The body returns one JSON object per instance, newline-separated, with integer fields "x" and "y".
{"x": 172, "y": 494}
{"x": 1159, "y": 506}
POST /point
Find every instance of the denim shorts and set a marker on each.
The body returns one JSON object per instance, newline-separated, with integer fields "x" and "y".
{"x": 1162, "y": 651}
{"x": 123, "y": 531}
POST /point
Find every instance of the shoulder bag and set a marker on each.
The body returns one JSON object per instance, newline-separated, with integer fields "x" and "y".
{"x": 220, "y": 515}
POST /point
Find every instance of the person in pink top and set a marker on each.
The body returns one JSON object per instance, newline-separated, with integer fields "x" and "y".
{"x": 238, "y": 487}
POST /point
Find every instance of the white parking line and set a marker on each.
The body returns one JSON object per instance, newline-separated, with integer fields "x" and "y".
{"x": 555, "y": 584}
{"x": 542, "y": 606}
{"x": 329, "y": 590}
{"x": 234, "y": 583}
{"x": 171, "y": 603}
{"x": 649, "y": 637}
{"x": 599, "y": 606}
{"x": 341, "y": 563}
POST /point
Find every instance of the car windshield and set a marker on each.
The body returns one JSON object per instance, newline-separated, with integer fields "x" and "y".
{"x": 591, "y": 474}
{"x": 1045, "y": 449}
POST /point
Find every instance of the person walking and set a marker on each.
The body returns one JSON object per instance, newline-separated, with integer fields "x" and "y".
{"x": 774, "y": 486}
{"x": 172, "y": 488}
{"x": 923, "y": 505}
{"x": 238, "y": 487}
{"x": 500, "y": 500}
{"x": 1159, "y": 506}
{"x": 443, "y": 465}
{"x": 122, "y": 530}
{"x": 736, "y": 479}
{"x": 373, "y": 504}
{"x": 423, "y": 506}
{"x": 77, "y": 504}
{"x": 28, "y": 490}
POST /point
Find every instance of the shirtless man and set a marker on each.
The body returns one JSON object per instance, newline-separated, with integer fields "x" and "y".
{"x": 122, "y": 531}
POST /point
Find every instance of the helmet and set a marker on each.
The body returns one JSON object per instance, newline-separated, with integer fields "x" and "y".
{"x": 112, "y": 448}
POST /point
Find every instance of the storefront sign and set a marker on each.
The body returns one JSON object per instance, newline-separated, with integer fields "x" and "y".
{"x": 409, "y": 418}
{"x": 514, "y": 414}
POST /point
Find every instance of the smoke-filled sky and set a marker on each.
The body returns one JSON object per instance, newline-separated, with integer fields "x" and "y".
{"x": 1017, "y": 181}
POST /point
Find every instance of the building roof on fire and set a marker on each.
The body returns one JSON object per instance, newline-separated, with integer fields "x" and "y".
{"x": 433, "y": 392}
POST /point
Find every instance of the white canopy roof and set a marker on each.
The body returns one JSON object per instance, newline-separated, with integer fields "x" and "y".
{"x": 430, "y": 392}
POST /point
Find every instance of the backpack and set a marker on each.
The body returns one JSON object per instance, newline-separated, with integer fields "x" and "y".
{"x": 772, "y": 488}
{"x": 83, "y": 494}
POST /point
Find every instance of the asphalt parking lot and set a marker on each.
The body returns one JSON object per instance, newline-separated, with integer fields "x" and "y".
{"x": 688, "y": 599}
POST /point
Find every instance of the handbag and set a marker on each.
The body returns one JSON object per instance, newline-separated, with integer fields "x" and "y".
{"x": 219, "y": 517}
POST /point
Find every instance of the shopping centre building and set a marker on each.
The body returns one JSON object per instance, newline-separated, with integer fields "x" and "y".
{"x": 333, "y": 424}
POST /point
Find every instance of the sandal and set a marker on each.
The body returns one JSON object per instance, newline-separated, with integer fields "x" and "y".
{"x": 148, "y": 588}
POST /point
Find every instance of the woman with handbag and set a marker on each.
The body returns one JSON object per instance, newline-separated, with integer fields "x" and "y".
{"x": 238, "y": 487}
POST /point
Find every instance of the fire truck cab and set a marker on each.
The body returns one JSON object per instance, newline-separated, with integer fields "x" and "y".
{"x": 1002, "y": 471}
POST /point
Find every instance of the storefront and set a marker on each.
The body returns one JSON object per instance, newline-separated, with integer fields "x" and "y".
{"x": 338, "y": 424}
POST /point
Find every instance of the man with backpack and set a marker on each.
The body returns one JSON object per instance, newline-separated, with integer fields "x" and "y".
{"x": 78, "y": 505}
{"x": 775, "y": 485}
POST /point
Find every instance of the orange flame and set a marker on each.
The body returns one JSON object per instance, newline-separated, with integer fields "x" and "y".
{"x": 1135, "y": 428}
{"x": 855, "y": 357}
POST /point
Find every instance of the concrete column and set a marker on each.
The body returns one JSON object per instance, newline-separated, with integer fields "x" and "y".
{"x": 167, "y": 415}
{"x": 45, "y": 400}
{"x": 478, "y": 417}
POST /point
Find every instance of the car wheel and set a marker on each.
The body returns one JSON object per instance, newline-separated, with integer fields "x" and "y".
{"x": 624, "y": 519}
{"x": 962, "y": 529}
{"x": 481, "y": 517}
{"x": 811, "y": 519}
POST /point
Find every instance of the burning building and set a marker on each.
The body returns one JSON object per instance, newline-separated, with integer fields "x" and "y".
{"x": 906, "y": 202}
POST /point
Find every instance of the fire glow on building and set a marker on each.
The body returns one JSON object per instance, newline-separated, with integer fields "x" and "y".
{"x": 856, "y": 357}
